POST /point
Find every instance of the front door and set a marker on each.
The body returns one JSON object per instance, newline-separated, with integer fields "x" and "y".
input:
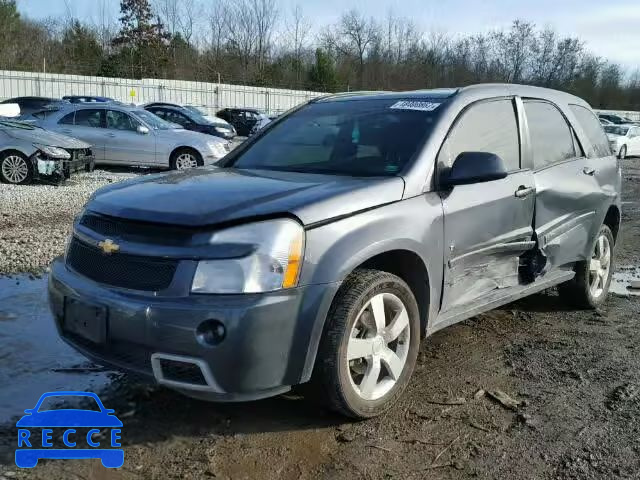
{"x": 124, "y": 144}
{"x": 568, "y": 195}
{"x": 487, "y": 226}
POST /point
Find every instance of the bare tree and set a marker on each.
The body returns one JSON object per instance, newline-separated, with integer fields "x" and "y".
{"x": 298, "y": 29}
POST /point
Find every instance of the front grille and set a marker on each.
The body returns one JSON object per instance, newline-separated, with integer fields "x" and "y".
{"x": 184, "y": 372}
{"x": 136, "y": 231}
{"x": 121, "y": 269}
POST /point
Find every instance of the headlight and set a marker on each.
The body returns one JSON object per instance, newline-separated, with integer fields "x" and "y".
{"x": 274, "y": 263}
{"x": 217, "y": 148}
{"x": 53, "y": 152}
{"x": 221, "y": 130}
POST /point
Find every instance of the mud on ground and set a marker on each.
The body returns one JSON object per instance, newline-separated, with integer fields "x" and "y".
{"x": 575, "y": 376}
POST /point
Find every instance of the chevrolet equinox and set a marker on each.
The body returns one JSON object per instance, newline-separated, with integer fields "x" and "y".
{"x": 326, "y": 247}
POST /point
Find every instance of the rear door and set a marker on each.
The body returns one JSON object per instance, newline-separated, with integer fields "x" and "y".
{"x": 488, "y": 226}
{"x": 567, "y": 192}
{"x": 124, "y": 144}
{"x": 88, "y": 126}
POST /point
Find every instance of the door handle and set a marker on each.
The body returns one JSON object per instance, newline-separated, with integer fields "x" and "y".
{"x": 523, "y": 191}
{"x": 66, "y": 130}
{"x": 112, "y": 135}
{"x": 589, "y": 171}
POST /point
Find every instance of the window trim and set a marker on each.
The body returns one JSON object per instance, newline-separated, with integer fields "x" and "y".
{"x": 572, "y": 133}
{"x": 512, "y": 100}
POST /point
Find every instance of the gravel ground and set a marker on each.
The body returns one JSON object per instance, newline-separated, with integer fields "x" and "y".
{"x": 36, "y": 219}
{"x": 573, "y": 377}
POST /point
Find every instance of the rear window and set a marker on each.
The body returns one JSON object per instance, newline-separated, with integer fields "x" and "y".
{"x": 550, "y": 134}
{"x": 355, "y": 138}
{"x": 593, "y": 128}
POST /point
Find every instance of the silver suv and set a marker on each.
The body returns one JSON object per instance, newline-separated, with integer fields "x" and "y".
{"x": 126, "y": 135}
{"x": 327, "y": 246}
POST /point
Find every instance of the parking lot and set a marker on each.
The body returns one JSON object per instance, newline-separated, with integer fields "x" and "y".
{"x": 575, "y": 375}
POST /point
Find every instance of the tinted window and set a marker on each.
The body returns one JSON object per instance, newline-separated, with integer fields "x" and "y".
{"x": 67, "y": 119}
{"x": 592, "y": 127}
{"x": 158, "y": 112}
{"x": 89, "y": 118}
{"x": 357, "y": 138}
{"x": 117, "y": 120}
{"x": 176, "y": 117}
{"x": 485, "y": 127}
{"x": 550, "y": 135}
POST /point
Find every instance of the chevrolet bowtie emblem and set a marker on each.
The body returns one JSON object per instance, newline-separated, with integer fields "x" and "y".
{"x": 108, "y": 247}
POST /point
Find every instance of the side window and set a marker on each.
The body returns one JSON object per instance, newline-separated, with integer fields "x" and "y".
{"x": 176, "y": 117}
{"x": 593, "y": 128}
{"x": 550, "y": 134}
{"x": 89, "y": 118}
{"x": 66, "y": 120}
{"x": 159, "y": 112}
{"x": 485, "y": 127}
{"x": 117, "y": 120}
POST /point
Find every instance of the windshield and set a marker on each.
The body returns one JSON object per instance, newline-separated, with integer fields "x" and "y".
{"x": 195, "y": 110}
{"x": 616, "y": 130}
{"x": 155, "y": 122}
{"x": 355, "y": 138}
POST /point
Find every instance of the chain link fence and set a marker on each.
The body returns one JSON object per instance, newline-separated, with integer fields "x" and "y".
{"x": 210, "y": 96}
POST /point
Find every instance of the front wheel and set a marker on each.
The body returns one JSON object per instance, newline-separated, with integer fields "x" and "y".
{"x": 185, "y": 159}
{"x": 590, "y": 286}
{"x": 370, "y": 344}
{"x": 623, "y": 152}
{"x": 15, "y": 168}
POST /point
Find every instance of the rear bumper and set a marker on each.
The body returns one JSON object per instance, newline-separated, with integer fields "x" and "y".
{"x": 266, "y": 347}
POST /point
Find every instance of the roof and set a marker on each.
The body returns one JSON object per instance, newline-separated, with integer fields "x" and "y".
{"x": 479, "y": 90}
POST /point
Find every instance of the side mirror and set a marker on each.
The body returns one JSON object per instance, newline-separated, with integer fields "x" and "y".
{"x": 475, "y": 167}
{"x": 142, "y": 130}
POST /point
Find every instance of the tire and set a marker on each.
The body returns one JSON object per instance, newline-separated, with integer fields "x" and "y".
{"x": 341, "y": 382}
{"x": 623, "y": 152}
{"x": 581, "y": 291}
{"x": 15, "y": 168}
{"x": 176, "y": 158}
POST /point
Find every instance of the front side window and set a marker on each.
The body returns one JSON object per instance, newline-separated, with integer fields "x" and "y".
{"x": 593, "y": 128}
{"x": 550, "y": 134}
{"x": 485, "y": 127}
{"x": 616, "y": 130}
{"x": 352, "y": 137}
{"x": 117, "y": 120}
{"x": 89, "y": 118}
{"x": 176, "y": 117}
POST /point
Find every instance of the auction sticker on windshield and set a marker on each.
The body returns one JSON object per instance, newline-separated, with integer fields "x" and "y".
{"x": 51, "y": 431}
{"x": 415, "y": 105}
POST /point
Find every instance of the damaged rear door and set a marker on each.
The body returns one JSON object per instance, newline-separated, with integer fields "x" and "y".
{"x": 487, "y": 226}
{"x": 568, "y": 194}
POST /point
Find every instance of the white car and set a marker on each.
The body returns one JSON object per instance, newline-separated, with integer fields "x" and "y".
{"x": 624, "y": 139}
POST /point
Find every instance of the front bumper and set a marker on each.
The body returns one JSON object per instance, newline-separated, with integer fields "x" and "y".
{"x": 56, "y": 170}
{"x": 264, "y": 352}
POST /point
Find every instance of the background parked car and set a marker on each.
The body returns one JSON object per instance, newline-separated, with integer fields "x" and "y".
{"x": 29, "y": 153}
{"x": 86, "y": 99}
{"x": 624, "y": 139}
{"x": 616, "y": 119}
{"x": 33, "y": 104}
{"x": 191, "y": 120}
{"x": 243, "y": 119}
{"x": 126, "y": 135}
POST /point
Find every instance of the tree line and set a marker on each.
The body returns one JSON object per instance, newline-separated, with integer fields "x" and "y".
{"x": 255, "y": 42}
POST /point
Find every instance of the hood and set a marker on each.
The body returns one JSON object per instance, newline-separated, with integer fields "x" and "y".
{"x": 217, "y": 121}
{"x": 206, "y": 196}
{"x": 44, "y": 137}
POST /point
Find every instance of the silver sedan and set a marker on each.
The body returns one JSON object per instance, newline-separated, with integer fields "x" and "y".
{"x": 127, "y": 135}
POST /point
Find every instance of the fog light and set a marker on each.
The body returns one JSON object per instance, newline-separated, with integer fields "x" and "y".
{"x": 211, "y": 332}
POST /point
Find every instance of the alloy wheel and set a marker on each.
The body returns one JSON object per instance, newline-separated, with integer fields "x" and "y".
{"x": 15, "y": 169}
{"x": 599, "y": 267}
{"x": 186, "y": 161}
{"x": 378, "y": 346}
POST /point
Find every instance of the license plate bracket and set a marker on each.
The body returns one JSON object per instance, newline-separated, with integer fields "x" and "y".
{"x": 85, "y": 319}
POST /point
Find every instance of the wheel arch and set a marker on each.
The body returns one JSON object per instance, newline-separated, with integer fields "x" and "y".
{"x": 612, "y": 220}
{"x": 184, "y": 147}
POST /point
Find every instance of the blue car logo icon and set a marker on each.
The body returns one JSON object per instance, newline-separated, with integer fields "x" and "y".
{"x": 43, "y": 431}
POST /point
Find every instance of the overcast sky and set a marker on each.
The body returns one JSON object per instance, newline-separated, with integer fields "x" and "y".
{"x": 611, "y": 28}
